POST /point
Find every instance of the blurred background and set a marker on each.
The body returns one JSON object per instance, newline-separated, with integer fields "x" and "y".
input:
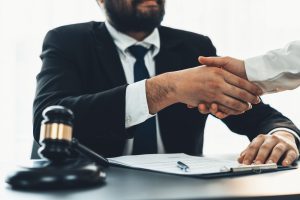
{"x": 237, "y": 28}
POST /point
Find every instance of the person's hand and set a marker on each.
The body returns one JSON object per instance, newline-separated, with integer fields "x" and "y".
{"x": 213, "y": 85}
{"x": 229, "y": 64}
{"x": 280, "y": 146}
{"x": 202, "y": 84}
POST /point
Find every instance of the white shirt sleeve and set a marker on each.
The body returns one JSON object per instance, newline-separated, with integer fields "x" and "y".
{"x": 277, "y": 70}
{"x": 136, "y": 105}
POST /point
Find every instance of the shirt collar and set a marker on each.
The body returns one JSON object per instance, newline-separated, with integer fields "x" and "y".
{"x": 124, "y": 41}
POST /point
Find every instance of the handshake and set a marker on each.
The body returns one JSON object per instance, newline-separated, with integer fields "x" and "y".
{"x": 219, "y": 87}
{"x": 237, "y": 68}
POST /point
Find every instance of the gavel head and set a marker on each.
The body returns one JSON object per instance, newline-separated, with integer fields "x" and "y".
{"x": 56, "y": 133}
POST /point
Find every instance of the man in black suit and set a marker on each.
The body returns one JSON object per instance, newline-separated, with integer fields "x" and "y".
{"x": 116, "y": 76}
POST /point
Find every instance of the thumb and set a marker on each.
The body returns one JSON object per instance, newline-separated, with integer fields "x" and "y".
{"x": 213, "y": 61}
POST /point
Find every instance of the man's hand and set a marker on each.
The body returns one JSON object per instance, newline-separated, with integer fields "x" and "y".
{"x": 201, "y": 85}
{"x": 229, "y": 64}
{"x": 280, "y": 146}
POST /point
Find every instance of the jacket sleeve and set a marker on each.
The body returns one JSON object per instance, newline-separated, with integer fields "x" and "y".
{"x": 261, "y": 119}
{"x": 97, "y": 116}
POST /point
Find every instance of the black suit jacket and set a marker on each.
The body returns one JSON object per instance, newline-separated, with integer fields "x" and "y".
{"x": 82, "y": 71}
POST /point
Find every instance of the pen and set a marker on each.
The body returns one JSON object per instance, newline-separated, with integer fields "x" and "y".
{"x": 183, "y": 166}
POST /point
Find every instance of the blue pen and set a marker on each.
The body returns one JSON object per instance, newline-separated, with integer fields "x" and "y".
{"x": 183, "y": 166}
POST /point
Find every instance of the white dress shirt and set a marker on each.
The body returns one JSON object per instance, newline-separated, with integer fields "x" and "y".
{"x": 277, "y": 70}
{"x": 136, "y": 92}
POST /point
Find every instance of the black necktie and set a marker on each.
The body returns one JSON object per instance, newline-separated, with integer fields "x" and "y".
{"x": 144, "y": 133}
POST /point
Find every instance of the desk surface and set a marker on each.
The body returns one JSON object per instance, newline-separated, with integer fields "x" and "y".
{"x": 125, "y": 183}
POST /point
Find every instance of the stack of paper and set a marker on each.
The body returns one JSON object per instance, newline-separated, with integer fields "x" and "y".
{"x": 167, "y": 163}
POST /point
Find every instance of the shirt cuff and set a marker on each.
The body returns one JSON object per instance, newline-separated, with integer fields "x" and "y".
{"x": 254, "y": 70}
{"x": 287, "y": 130}
{"x": 270, "y": 79}
{"x": 258, "y": 74}
{"x": 136, "y": 106}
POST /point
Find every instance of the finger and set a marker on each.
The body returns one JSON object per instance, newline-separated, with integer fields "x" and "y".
{"x": 241, "y": 94}
{"x": 241, "y": 157}
{"x": 277, "y": 153}
{"x": 251, "y": 88}
{"x": 252, "y": 149}
{"x": 264, "y": 151}
{"x": 235, "y": 106}
{"x": 238, "y": 92}
{"x": 213, "y": 108}
{"x": 221, "y": 115}
{"x": 290, "y": 157}
{"x": 203, "y": 109}
{"x": 224, "y": 110}
{"x": 213, "y": 61}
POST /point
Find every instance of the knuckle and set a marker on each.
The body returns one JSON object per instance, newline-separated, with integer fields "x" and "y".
{"x": 280, "y": 148}
{"x": 265, "y": 147}
{"x": 252, "y": 147}
{"x": 275, "y": 137}
{"x": 261, "y": 136}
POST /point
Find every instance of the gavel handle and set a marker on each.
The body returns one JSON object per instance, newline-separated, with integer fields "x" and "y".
{"x": 90, "y": 153}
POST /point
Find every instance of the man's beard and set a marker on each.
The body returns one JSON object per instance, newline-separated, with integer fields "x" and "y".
{"x": 132, "y": 19}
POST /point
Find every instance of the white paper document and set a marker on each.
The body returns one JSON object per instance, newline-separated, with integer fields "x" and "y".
{"x": 167, "y": 163}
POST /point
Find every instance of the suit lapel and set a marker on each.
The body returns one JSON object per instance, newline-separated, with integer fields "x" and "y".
{"x": 108, "y": 56}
